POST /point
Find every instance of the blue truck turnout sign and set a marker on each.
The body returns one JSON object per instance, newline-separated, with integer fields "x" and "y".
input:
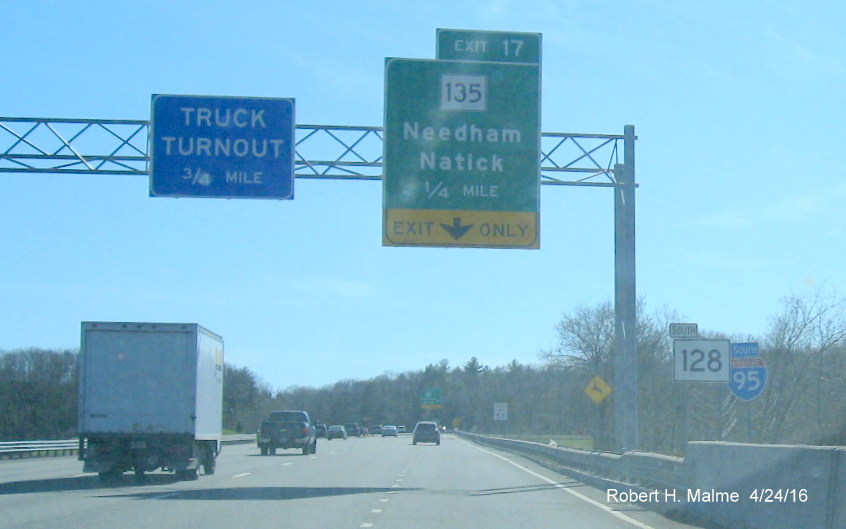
{"x": 222, "y": 147}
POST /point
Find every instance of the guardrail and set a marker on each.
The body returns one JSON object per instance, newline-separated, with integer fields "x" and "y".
{"x": 64, "y": 447}
{"x": 27, "y": 448}
{"x": 642, "y": 469}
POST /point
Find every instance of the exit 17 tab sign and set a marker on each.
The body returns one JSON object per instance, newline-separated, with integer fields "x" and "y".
{"x": 462, "y": 144}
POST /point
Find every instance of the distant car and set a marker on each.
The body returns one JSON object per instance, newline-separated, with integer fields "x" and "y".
{"x": 353, "y": 429}
{"x": 389, "y": 430}
{"x": 401, "y": 428}
{"x": 336, "y": 431}
{"x": 376, "y": 429}
{"x": 426, "y": 432}
{"x": 320, "y": 430}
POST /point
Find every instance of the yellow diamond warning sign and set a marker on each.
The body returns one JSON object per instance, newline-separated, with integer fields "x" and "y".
{"x": 597, "y": 389}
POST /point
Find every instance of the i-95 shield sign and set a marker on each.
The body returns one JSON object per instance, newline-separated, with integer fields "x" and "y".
{"x": 748, "y": 371}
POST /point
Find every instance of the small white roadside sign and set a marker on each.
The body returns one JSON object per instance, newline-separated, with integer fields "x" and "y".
{"x": 684, "y": 330}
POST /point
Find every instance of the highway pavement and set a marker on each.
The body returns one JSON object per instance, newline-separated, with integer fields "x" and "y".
{"x": 361, "y": 483}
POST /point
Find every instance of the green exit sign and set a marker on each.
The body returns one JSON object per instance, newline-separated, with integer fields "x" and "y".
{"x": 489, "y": 46}
{"x": 461, "y": 154}
{"x": 431, "y": 399}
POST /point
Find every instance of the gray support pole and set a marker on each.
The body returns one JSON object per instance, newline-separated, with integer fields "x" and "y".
{"x": 625, "y": 300}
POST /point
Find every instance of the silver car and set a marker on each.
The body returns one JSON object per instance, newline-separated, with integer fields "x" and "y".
{"x": 389, "y": 430}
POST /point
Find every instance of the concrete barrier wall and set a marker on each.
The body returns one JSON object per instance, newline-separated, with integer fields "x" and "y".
{"x": 734, "y": 485}
{"x": 776, "y": 486}
{"x": 839, "y": 492}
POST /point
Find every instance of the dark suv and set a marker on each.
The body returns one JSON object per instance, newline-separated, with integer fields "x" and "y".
{"x": 426, "y": 432}
{"x": 320, "y": 429}
{"x": 353, "y": 429}
{"x": 287, "y": 429}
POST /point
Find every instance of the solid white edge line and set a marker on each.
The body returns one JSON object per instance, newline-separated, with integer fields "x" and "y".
{"x": 242, "y": 475}
{"x": 577, "y": 494}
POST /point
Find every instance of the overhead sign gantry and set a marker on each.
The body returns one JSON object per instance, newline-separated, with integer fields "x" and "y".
{"x": 125, "y": 147}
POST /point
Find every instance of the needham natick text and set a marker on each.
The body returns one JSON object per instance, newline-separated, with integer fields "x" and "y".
{"x": 467, "y": 133}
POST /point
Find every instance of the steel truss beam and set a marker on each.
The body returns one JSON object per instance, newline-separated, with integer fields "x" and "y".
{"x": 96, "y": 146}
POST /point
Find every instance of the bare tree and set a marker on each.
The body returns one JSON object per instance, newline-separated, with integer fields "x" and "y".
{"x": 807, "y": 332}
{"x": 586, "y": 338}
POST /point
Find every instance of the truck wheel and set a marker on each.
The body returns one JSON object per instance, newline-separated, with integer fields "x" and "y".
{"x": 314, "y": 447}
{"x": 272, "y": 451}
{"x": 209, "y": 464}
{"x": 263, "y": 450}
{"x": 306, "y": 450}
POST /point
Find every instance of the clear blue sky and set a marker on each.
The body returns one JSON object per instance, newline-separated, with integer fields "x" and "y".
{"x": 739, "y": 108}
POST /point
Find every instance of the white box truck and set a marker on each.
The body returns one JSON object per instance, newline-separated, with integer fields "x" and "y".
{"x": 150, "y": 397}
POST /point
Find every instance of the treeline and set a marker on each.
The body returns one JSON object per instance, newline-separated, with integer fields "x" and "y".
{"x": 804, "y": 350}
{"x": 38, "y": 394}
{"x": 39, "y": 397}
